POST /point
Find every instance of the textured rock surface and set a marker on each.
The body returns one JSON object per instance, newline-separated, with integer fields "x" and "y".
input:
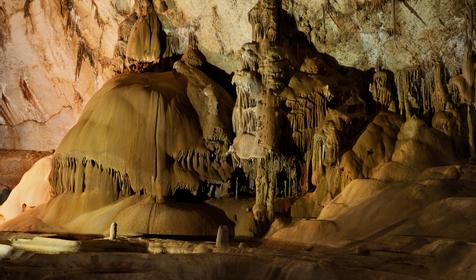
{"x": 51, "y": 69}
{"x": 41, "y": 92}
{"x": 13, "y": 164}
{"x": 372, "y": 209}
{"x": 33, "y": 190}
{"x": 310, "y": 152}
{"x": 356, "y": 33}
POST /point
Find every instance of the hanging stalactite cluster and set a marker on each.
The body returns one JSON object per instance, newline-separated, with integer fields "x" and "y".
{"x": 143, "y": 45}
{"x": 308, "y": 111}
{"x": 213, "y": 167}
{"x": 248, "y": 89}
{"x": 381, "y": 89}
{"x": 415, "y": 88}
{"x": 86, "y": 175}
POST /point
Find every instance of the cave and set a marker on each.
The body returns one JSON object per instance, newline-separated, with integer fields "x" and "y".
{"x": 225, "y": 139}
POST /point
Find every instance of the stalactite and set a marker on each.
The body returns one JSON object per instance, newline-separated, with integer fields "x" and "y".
{"x": 72, "y": 175}
{"x": 26, "y": 9}
{"x": 72, "y": 20}
{"x": 327, "y": 144}
{"x": 446, "y": 118}
{"x": 381, "y": 90}
{"x": 143, "y": 45}
{"x": 254, "y": 17}
{"x": 100, "y": 22}
{"x": 173, "y": 46}
{"x": 192, "y": 55}
{"x": 415, "y": 87}
{"x": 248, "y": 88}
{"x": 267, "y": 170}
{"x": 84, "y": 52}
{"x": 249, "y": 57}
{"x": 273, "y": 70}
{"x": 308, "y": 111}
{"x": 6, "y": 110}
{"x": 441, "y": 97}
{"x": 465, "y": 83}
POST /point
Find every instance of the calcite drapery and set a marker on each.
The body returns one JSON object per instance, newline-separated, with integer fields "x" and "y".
{"x": 248, "y": 90}
{"x": 446, "y": 117}
{"x": 414, "y": 87}
{"x": 147, "y": 133}
{"x": 143, "y": 45}
{"x": 381, "y": 89}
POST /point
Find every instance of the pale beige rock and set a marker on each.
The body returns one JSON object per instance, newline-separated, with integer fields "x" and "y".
{"x": 376, "y": 143}
{"x": 33, "y": 190}
{"x": 358, "y": 33}
{"x": 38, "y": 76}
{"x": 420, "y": 146}
{"x": 368, "y": 209}
{"x": 45, "y": 245}
{"x": 13, "y": 164}
{"x": 36, "y": 63}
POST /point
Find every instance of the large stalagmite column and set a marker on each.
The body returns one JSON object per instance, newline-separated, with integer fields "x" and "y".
{"x": 259, "y": 85}
{"x": 271, "y": 70}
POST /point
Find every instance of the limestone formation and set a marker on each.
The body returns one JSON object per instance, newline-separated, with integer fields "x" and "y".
{"x": 317, "y": 122}
{"x": 223, "y": 237}
{"x": 143, "y": 44}
{"x": 264, "y": 21}
{"x": 113, "y": 231}
{"x": 381, "y": 89}
{"x": 414, "y": 88}
{"x": 308, "y": 99}
{"x": 273, "y": 70}
{"x": 104, "y": 160}
{"x": 248, "y": 90}
{"x": 446, "y": 118}
{"x": 192, "y": 55}
{"x": 465, "y": 83}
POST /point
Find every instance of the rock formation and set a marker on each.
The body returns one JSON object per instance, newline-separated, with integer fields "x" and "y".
{"x": 143, "y": 44}
{"x": 113, "y": 231}
{"x": 182, "y": 157}
{"x": 316, "y": 122}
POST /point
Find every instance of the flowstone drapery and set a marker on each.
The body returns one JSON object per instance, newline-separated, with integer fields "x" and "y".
{"x": 178, "y": 137}
{"x": 381, "y": 89}
{"x": 143, "y": 44}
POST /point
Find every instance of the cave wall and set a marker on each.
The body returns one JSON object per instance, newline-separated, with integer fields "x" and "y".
{"x": 42, "y": 93}
{"x": 403, "y": 34}
{"x": 56, "y": 54}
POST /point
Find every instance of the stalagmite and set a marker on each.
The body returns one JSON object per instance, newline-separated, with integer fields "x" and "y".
{"x": 113, "y": 231}
{"x": 223, "y": 237}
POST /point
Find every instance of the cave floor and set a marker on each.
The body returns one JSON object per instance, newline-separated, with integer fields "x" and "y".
{"x": 157, "y": 258}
